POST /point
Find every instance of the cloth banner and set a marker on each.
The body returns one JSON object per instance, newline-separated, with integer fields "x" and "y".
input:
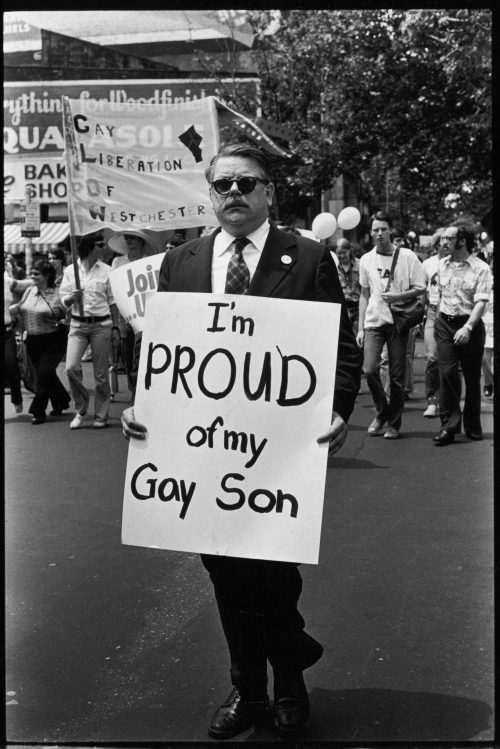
{"x": 132, "y": 285}
{"x": 139, "y": 165}
{"x": 233, "y": 406}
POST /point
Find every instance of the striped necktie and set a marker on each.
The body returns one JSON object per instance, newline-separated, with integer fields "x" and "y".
{"x": 238, "y": 275}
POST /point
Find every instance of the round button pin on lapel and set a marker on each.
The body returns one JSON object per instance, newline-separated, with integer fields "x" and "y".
{"x": 286, "y": 259}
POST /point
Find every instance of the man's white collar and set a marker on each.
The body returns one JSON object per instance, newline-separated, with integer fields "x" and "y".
{"x": 257, "y": 238}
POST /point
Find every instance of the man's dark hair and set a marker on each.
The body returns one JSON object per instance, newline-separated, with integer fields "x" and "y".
{"x": 46, "y": 269}
{"x": 243, "y": 151}
{"x": 86, "y": 244}
{"x": 380, "y": 216}
{"x": 465, "y": 231}
{"x": 175, "y": 240}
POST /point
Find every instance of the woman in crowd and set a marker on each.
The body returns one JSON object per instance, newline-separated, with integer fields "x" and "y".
{"x": 130, "y": 246}
{"x": 57, "y": 258}
{"x": 431, "y": 373}
{"x": 41, "y": 310}
{"x": 174, "y": 240}
{"x": 14, "y": 267}
{"x": 348, "y": 270}
{"x": 12, "y": 374}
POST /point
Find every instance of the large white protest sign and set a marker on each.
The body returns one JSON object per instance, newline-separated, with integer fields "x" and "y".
{"x": 139, "y": 165}
{"x": 234, "y": 391}
{"x": 132, "y": 285}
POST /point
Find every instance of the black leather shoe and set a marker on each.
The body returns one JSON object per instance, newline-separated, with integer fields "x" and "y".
{"x": 291, "y": 702}
{"x": 444, "y": 438}
{"x": 236, "y": 715}
{"x": 38, "y": 420}
{"x": 474, "y": 435}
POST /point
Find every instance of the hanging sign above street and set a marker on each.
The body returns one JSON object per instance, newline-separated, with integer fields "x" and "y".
{"x": 32, "y": 109}
{"x": 30, "y": 218}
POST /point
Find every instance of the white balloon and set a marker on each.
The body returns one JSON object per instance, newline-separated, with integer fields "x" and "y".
{"x": 349, "y": 218}
{"x": 324, "y": 225}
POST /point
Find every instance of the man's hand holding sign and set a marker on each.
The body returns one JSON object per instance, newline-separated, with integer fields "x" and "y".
{"x": 230, "y": 353}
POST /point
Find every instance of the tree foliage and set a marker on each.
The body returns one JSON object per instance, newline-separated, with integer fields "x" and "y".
{"x": 399, "y": 98}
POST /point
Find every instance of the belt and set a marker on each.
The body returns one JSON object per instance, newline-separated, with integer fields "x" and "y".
{"x": 454, "y": 319}
{"x": 91, "y": 318}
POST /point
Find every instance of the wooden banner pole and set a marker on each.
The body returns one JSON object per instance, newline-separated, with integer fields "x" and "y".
{"x": 74, "y": 256}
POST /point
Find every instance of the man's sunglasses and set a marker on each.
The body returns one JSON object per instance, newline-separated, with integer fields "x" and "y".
{"x": 244, "y": 184}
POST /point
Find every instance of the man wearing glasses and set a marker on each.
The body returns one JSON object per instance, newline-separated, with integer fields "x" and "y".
{"x": 464, "y": 283}
{"x": 95, "y": 327}
{"x": 257, "y": 599}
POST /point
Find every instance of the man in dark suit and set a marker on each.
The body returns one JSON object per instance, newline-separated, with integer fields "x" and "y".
{"x": 257, "y": 599}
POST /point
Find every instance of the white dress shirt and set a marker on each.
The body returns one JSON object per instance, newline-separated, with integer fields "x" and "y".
{"x": 97, "y": 294}
{"x": 223, "y": 249}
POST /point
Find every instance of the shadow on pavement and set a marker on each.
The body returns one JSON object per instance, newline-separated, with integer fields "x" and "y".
{"x": 392, "y": 715}
{"x": 335, "y": 462}
{"x": 460, "y": 439}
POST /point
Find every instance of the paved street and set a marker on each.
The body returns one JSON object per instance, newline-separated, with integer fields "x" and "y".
{"x": 113, "y": 643}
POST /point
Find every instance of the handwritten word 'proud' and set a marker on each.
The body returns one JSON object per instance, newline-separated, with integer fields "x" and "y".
{"x": 183, "y": 362}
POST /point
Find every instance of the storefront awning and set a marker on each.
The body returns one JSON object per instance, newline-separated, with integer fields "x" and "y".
{"x": 50, "y": 235}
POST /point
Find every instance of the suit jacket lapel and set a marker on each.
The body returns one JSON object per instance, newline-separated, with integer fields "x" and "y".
{"x": 197, "y": 268}
{"x": 278, "y": 258}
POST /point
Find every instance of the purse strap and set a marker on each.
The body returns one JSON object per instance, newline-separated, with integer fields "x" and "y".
{"x": 391, "y": 272}
{"x": 21, "y": 325}
{"x": 49, "y": 305}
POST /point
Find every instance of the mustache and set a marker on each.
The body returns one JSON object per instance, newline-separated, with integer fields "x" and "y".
{"x": 232, "y": 202}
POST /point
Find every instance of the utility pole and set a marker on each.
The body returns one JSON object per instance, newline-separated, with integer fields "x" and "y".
{"x": 30, "y": 226}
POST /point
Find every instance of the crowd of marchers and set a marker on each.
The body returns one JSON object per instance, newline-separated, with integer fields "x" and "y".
{"x": 453, "y": 278}
{"x": 455, "y": 284}
{"x": 62, "y": 313}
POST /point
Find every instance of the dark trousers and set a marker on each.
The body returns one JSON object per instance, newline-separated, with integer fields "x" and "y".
{"x": 135, "y": 354}
{"x": 387, "y": 409}
{"x": 131, "y": 353}
{"x": 468, "y": 356}
{"x": 257, "y": 602}
{"x": 46, "y": 352}
{"x": 12, "y": 375}
{"x": 353, "y": 312}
